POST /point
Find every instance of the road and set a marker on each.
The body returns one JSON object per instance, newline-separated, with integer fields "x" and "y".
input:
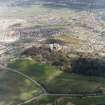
{"x": 24, "y": 75}
{"x": 45, "y": 93}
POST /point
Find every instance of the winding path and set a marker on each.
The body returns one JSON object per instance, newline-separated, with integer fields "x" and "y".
{"x": 26, "y": 76}
{"x": 44, "y": 92}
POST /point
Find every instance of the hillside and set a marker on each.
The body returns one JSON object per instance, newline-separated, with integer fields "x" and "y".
{"x": 52, "y": 52}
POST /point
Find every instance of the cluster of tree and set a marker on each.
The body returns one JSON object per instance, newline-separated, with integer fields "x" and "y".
{"x": 83, "y": 65}
{"x": 89, "y": 66}
{"x": 48, "y": 56}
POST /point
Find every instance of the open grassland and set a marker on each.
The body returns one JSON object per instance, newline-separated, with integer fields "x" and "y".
{"x": 15, "y": 89}
{"x": 69, "y": 39}
{"x": 57, "y": 81}
{"x": 69, "y": 101}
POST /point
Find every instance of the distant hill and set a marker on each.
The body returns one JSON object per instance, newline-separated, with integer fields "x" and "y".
{"x": 74, "y": 4}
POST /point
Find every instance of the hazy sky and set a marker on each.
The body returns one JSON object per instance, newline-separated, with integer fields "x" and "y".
{"x": 68, "y": 3}
{"x": 12, "y": 6}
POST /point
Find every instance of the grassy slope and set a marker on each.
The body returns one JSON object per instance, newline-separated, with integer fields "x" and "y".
{"x": 57, "y": 81}
{"x": 69, "y": 101}
{"x": 15, "y": 89}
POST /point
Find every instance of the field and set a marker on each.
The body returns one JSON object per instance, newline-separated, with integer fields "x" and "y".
{"x": 54, "y": 81}
{"x": 69, "y": 101}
